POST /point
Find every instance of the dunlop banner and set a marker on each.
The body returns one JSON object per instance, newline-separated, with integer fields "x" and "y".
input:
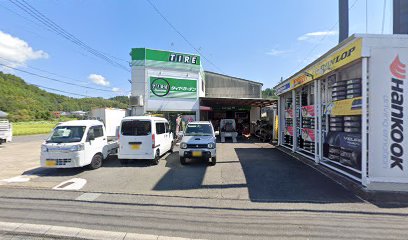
{"x": 337, "y": 59}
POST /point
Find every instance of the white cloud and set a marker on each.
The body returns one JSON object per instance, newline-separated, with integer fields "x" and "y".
{"x": 314, "y": 35}
{"x": 115, "y": 89}
{"x": 276, "y": 52}
{"x": 98, "y": 79}
{"x": 16, "y": 51}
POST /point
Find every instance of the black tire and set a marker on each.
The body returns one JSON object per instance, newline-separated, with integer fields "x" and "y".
{"x": 123, "y": 161}
{"x": 156, "y": 159}
{"x": 172, "y": 147}
{"x": 354, "y": 81}
{"x": 213, "y": 161}
{"x": 96, "y": 161}
{"x": 183, "y": 161}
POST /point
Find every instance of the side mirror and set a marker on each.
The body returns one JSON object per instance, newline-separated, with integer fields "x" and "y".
{"x": 91, "y": 137}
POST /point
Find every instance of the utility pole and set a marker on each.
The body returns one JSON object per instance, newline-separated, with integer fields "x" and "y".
{"x": 400, "y": 17}
{"x": 343, "y": 20}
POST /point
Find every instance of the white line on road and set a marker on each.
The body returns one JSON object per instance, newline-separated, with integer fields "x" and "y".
{"x": 72, "y": 184}
{"x": 88, "y": 197}
{"x": 60, "y": 231}
{"x": 17, "y": 179}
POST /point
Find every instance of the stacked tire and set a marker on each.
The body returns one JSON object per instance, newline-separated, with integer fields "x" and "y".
{"x": 350, "y": 158}
{"x": 353, "y": 88}
{"x": 308, "y": 123}
{"x": 309, "y": 146}
{"x": 334, "y": 153}
{"x": 336, "y": 124}
{"x": 352, "y": 124}
{"x": 339, "y": 90}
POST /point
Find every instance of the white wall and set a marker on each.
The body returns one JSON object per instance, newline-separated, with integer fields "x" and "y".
{"x": 140, "y": 86}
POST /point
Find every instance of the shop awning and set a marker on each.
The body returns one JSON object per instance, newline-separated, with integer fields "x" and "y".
{"x": 205, "y": 108}
{"x": 253, "y": 102}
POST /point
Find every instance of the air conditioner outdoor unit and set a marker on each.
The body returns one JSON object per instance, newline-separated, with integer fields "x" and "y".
{"x": 136, "y": 101}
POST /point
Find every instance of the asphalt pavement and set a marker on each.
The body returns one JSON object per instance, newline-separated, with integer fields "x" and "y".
{"x": 253, "y": 192}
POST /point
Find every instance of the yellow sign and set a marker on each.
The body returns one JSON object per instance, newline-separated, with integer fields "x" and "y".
{"x": 347, "y": 107}
{"x": 337, "y": 59}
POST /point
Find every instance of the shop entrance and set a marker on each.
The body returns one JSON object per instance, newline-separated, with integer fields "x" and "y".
{"x": 244, "y": 111}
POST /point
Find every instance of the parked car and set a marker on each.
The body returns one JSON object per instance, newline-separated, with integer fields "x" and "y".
{"x": 76, "y": 144}
{"x": 144, "y": 138}
{"x": 6, "y": 129}
{"x": 228, "y": 128}
{"x": 198, "y": 142}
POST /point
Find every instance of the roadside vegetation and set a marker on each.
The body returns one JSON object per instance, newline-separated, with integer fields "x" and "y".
{"x": 36, "y": 127}
{"x": 24, "y": 102}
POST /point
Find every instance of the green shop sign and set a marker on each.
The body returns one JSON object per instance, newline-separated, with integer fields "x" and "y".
{"x": 164, "y": 59}
{"x": 172, "y": 88}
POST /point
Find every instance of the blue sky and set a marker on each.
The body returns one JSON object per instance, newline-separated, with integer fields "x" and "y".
{"x": 256, "y": 40}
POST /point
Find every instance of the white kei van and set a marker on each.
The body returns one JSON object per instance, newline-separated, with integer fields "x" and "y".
{"x": 144, "y": 137}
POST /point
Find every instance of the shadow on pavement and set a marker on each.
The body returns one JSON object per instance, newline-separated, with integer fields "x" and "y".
{"x": 113, "y": 162}
{"x": 53, "y": 172}
{"x": 273, "y": 176}
{"x": 180, "y": 177}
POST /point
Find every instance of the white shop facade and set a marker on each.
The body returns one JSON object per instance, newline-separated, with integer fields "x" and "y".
{"x": 348, "y": 111}
{"x": 172, "y": 84}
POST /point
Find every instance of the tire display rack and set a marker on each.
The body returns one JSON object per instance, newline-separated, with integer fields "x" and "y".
{"x": 358, "y": 93}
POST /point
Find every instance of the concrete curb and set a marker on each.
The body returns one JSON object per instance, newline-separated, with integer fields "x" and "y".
{"x": 386, "y": 199}
{"x": 40, "y": 230}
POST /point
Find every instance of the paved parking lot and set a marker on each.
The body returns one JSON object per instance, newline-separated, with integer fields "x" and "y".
{"x": 247, "y": 171}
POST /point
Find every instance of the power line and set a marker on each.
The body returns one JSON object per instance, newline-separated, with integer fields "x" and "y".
{"x": 54, "y": 79}
{"x": 55, "y": 74}
{"x": 53, "y": 89}
{"x": 51, "y": 25}
{"x": 324, "y": 37}
{"x": 181, "y": 35}
{"x": 383, "y": 19}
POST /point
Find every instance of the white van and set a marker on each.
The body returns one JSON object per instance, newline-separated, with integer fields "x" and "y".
{"x": 144, "y": 138}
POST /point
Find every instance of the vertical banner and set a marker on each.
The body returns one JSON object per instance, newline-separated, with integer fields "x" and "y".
{"x": 388, "y": 122}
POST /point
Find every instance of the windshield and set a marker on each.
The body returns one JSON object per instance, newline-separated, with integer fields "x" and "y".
{"x": 136, "y": 128}
{"x": 67, "y": 134}
{"x": 199, "y": 130}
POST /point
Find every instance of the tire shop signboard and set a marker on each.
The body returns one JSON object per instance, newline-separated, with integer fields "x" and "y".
{"x": 173, "y": 88}
{"x": 388, "y": 124}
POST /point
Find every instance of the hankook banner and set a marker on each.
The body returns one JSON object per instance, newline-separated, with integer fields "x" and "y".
{"x": 172, "y": 88}
{"x": 388, "y": 121}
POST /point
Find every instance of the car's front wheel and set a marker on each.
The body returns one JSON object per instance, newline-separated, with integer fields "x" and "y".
{"x": 182, "y": 160}
{"x": 96, "y": 161}
{"x": 213, "y": 161}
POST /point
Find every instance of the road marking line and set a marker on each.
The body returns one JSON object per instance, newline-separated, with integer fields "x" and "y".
{"x": 61, "y": 231}
{"x": 88, "y": 197}
{"x": 72, "y": 184}
{"x": 18, "y": 179}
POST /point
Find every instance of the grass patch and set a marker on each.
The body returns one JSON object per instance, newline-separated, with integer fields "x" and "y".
{"x": 34, "y": 127}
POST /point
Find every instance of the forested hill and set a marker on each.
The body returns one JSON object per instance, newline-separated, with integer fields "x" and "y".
{"x": 27, "y": 102}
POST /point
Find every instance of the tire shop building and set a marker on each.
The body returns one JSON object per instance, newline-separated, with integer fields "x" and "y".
{"x": 347, "y": 111}
{"x": 170, "y": 84}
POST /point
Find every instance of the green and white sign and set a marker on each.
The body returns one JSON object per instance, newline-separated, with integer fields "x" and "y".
{"x": 172, "y": 88}
{"x": 165, "y": 59}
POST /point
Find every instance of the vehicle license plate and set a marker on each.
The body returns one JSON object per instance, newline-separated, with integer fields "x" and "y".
{"x": 197, "y": 154}
{"x": 50, "y": 163}
{"x": 135, "y": 146}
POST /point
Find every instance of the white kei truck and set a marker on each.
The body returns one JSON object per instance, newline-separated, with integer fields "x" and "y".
{"x": 82, "y": 143}
{"x": 6, "y": 130}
